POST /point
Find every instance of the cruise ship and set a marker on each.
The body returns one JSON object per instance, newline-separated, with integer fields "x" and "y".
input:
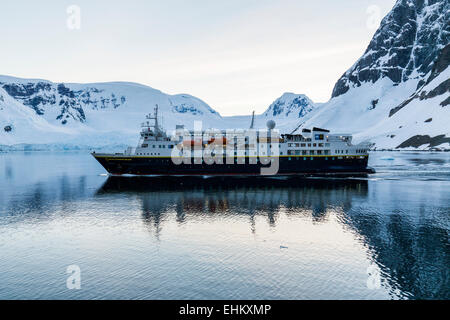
{"x": 238, "y": 152}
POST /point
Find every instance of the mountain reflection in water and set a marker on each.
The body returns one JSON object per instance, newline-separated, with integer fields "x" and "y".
{"x": 413, "y": 258}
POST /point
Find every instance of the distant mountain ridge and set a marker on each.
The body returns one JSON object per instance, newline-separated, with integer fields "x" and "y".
{"x": 34, "y": 111}
{"x": 88, "y": 114}
{"x": 69, "y": 101}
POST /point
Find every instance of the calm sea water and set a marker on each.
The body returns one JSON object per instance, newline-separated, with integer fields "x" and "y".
{"x": 382, "y": 237}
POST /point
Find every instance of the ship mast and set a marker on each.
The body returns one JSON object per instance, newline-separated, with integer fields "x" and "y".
{"x": 298, "y": 127}
{"x": 153, "y": 126}
{"x": 253, "y": 120}
{"x": 156, "y": 119}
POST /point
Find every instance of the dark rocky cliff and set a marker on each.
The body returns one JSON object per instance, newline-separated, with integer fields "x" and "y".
{"x": 407, "y": 44}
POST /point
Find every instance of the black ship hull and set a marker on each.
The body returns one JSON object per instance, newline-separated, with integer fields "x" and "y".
{"x": 292, "y": 165}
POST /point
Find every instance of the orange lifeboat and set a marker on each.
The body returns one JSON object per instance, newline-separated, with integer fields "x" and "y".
{"x": 219, "y": 141}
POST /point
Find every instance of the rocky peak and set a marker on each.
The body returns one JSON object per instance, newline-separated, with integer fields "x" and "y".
{"x": 406, "y": 45}
{"x": 290, "y": 105}
{"x": 68, "y": 104}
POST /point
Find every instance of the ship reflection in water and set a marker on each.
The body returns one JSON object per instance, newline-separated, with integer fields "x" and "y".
{"x": 382, "y": 237}
{"x": 213, "y": 198}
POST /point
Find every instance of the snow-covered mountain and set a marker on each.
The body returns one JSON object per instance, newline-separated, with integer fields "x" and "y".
{"x": 290, "y": 105}
{"x": 288, "y": 111}
{"x": 57, "y": 115}
{"x": 398, "y": 93}
{"x": 42, "y": 112}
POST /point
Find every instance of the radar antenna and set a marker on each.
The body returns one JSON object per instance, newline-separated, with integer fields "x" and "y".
{"x": 153, "y": 117}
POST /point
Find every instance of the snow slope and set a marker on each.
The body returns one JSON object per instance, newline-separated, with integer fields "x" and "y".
{"x": 42, "y": 112}
{"x": 354, "y": 113}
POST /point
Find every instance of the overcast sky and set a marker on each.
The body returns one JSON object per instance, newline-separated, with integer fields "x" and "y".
{"x": 236, "y": 55}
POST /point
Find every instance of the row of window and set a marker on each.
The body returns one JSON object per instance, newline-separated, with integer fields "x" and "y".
{"x": 251, "y": 161}
{"x": 298, "y": 145}
{"x": 290, "y": 153}
{"x": 303, "y": 145}
{"x": 160, "y": 146}
{"x": 308, "y": 152}
{"x": 246, "y": 154}
{"x": 311, "y": 158}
